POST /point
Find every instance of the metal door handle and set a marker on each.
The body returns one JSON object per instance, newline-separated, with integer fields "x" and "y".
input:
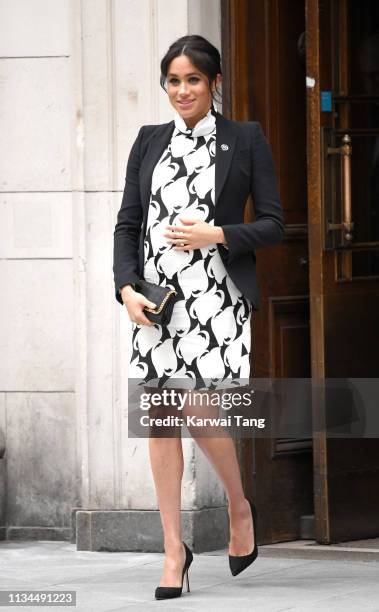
{"x": 347, "y": 225}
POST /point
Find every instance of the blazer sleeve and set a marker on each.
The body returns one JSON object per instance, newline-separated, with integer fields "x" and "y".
{"x": 128, "y": 226}
{"x": 268, "y": 227}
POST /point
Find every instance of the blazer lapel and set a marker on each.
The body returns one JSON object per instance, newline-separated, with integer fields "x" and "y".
{"x": 157, "y": 144}
{"x": 225, "y": 144}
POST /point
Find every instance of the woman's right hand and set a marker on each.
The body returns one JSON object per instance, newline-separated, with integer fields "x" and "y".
{"x": 135, "y": 303}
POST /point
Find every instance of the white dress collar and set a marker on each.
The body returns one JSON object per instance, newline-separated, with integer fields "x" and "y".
{"x": 205, "y": 126}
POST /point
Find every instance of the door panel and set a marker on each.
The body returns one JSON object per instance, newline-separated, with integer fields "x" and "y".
{"x": 342, "y": 145}
{"x": 259, "y": 86}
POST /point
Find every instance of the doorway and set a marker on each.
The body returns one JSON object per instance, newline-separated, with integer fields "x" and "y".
{"x": 293, "y": 67}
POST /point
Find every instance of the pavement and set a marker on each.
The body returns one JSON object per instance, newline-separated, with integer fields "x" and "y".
{"x": 295, "y": 576}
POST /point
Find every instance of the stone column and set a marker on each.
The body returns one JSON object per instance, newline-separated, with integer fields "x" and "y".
{"x": 37, "y": 335}
{"x": 119, "y": 49}
{"x": 79, "y": 79}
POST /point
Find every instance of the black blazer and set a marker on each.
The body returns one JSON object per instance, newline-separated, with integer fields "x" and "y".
{"x": 244, "y": 165}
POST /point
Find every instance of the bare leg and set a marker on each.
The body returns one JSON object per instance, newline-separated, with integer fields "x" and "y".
{"x": 166, "y": 458}
{"x": 221, "y": 452}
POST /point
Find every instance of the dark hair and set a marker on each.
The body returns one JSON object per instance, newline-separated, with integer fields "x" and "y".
{"x": 200, "y": 51}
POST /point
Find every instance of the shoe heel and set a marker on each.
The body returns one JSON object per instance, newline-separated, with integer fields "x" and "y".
{"x": 238, "y": 563}
{"x": 162, "y": 592}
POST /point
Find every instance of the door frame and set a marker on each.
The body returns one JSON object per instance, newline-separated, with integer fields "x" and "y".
{"x": 315, "y": 242}
{"x": 234, "y": 36}
{"x": 245, "y": 99}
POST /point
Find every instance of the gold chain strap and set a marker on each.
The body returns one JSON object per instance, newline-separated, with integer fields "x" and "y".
{"x": 161, "y": 305}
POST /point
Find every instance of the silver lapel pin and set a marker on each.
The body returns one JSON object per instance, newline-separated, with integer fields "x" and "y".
{"x": 224, "y": 147}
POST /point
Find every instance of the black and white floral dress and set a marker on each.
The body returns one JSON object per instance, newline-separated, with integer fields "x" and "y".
{"x": 207, "y": 342}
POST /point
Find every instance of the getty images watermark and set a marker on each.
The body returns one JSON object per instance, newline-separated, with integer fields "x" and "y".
{"x": 255, "y": 407}
{"x": 188, "y": 403}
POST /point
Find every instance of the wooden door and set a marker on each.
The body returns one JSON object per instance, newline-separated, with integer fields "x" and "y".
{"x": 343, "y": 204}
{"x": 264, "y": 80}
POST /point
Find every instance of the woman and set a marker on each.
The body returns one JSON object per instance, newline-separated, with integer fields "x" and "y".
{"x": 181, "y": 225}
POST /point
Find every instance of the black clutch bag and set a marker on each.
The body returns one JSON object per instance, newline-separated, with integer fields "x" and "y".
{"x": 163, "y": 297}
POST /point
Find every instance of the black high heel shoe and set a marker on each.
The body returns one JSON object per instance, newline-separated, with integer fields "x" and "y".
{"x": 238, "y": 563}
{"x": 163, "y": 592}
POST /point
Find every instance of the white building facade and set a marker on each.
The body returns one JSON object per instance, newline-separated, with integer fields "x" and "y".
{"x": 78, "y": 79}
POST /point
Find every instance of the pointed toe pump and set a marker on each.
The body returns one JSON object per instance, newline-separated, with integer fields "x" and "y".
{"x": 238, "y": 563}
{"x": 163, "y": 592}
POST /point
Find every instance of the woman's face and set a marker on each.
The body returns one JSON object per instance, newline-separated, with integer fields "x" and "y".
{"x": 188, "y": 90}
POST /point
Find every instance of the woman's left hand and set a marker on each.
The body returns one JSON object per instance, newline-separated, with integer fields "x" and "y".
{"x": 193, "y": 234}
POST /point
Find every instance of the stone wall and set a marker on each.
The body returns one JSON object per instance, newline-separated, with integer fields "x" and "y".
{"x": 79, "y": 78}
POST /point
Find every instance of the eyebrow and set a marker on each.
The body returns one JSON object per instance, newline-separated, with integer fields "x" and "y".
{"x": 187, "y": 75}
